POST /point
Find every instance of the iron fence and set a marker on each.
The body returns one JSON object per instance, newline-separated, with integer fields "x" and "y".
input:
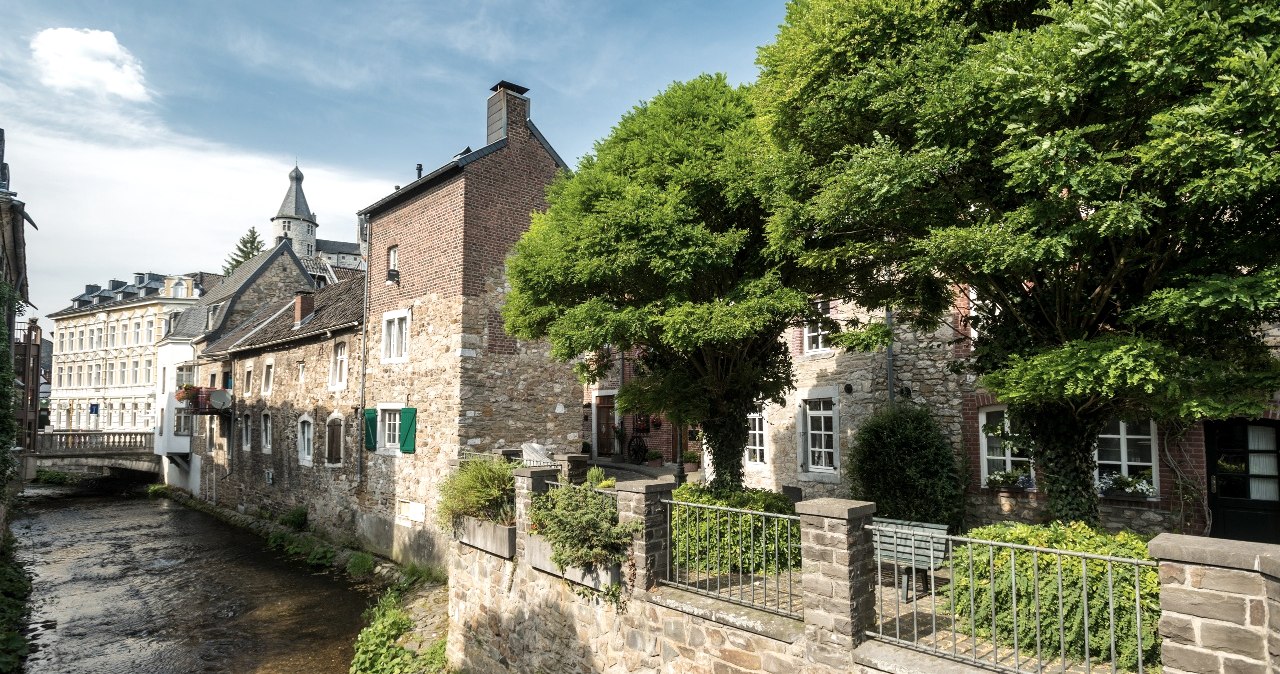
{"x": 746, "y": 557}
{"x": 493, "y": 456}
{"x": 1015, "y": 608}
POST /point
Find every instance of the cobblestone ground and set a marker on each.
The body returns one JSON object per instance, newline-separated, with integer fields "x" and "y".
{"x": 428, "y": 607}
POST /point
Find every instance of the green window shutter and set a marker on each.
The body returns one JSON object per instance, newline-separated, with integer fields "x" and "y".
{"x": 408, "y": 429}
{"x": 371, "y": 430}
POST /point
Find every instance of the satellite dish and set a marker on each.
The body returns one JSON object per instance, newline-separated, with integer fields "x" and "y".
{"x": 219, "y": 399}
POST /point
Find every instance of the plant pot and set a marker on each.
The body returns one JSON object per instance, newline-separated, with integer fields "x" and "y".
{"x": 692, "y": 467}
{"x": 538, "y": 551}
{"x": 656, "y": 463}
{"x": 491, "y": 537}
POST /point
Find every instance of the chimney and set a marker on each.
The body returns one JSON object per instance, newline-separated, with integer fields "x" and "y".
{"x": 304, "y": 304}
{"x": 419, "y": 167}
{"x": 507, "y": 104}
{"x": 113, "y": 284}
{"x": 139, "y": 278}
{"x": 89, "y": 289}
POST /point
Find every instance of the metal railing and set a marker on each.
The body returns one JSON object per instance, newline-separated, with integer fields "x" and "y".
{"x": 746, "y": 557}
{"x": 1015, "y": 608}
{"x": 493, "y": 456}
{"x": 94, "y": 442}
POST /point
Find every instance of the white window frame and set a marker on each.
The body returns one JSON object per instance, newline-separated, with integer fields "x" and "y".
{"x": 137, "y": 332}
{"x": 1006, "y": 454}
{"x": 306, "y": 440}
{"x": 386, "y": 412}
{"x": 393, "y": 257}
{"x": 302, "y": 374}
{"x": 268, "y": 372}
{"x": 815, "y": 332}
{"x": 338, "y": 367}
{"x": 809, "y": 414}
{"x": 266, "y": 432}
{"x": 184, "y": 374}
{"x": 183, "y": 421}
{"x": 757, "y": 438}
{"x": 135, "y": 365}
{"x": 146, "y": 370}
{"x": 390, "y": 352}
{"x": 248, "y": 379}
{"x": 246, "y": 431}
{"x": 1125, "y": 463}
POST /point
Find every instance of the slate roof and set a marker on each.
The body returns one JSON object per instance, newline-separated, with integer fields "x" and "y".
{"x": 294, "y": 205}
{"x": 145, "y": 292}
{"x": 337, "y": 247}
{"x": 337, "y": 306}
{"x": 194, "y": 321}
{"x": 347, "y": 274}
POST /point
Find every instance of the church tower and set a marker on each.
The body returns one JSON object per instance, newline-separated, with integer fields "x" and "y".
{"x": 295, "y": 221}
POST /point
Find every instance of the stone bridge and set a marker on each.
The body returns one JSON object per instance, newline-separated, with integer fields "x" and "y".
{"x": 92, "y": 450}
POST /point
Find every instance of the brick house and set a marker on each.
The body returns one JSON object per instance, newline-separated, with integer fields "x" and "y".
{"x": 441, "y": 375}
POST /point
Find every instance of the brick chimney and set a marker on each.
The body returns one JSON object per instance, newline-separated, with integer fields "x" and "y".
{"x": 304, "y": 304}
{"x": 507, "y": 105}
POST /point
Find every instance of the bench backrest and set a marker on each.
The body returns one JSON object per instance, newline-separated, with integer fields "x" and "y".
{"x": 920, "y": 545}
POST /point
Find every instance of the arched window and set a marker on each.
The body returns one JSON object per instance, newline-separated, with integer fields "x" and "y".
{"x": 246, "y": 433}
{"x": 333, "y": 440}
{"x": 266, "y": 433}
{"x": 306, "y": 436}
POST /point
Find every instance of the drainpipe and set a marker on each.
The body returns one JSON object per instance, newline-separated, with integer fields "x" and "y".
{"x": 364, "y": 331}
{"x": 888, "y": 358}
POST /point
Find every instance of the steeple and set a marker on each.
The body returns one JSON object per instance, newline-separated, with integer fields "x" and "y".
{"x": 294, "y": 221}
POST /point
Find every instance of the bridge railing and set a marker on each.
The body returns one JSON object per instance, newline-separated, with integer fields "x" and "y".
{"x": 103, "y": 442}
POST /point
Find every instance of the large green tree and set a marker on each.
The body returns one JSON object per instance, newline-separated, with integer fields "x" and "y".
{"x": 1102, "y": 174}
{"x": 247, "y": 247}
{"x": 656, "y": 244}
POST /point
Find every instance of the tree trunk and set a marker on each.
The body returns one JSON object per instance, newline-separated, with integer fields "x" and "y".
{"x": 726, "y": 436}
{"x": 1063, "y": 451}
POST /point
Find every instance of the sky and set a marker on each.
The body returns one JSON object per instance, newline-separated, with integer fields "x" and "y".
{"x": 150, "y": 135}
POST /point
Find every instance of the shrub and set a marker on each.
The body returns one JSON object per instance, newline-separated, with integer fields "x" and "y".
{"x": 903, "y": 462}
{"x": 484, "y": 489}
{"x": 376, "y": 651}
{"x": 158, "y": 490}
{"x": 1061, "y": 613}
{"x": 56, "y": 477}
{"x": 295, "y": 518}
{"x": 320, "y": 555}
{"x": 712, "y": 540}
{"x": 595, "y": 475}
{"x": 691, "y": 457}
{"x": 360, "y": 564}
{"x": 608, "y": 483}
{"x": 582, "y": 527}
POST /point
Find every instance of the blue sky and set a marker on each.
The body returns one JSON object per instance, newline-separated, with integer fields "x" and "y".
{"x": 147, "y": 136}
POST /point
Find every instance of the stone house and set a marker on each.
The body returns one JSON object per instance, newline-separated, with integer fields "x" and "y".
{"x": 441, "y": 375}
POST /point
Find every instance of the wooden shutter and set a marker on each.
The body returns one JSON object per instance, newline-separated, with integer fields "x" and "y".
{"x": 371, "y": 430}
{"x": 333, "y": 444}
{"x": 408, "y": 429}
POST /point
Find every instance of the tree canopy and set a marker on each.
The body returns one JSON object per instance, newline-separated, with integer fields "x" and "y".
{"x": 248, "y": 246}
{"x": 1101, "y": 174}
{"x": 657, "y": 245}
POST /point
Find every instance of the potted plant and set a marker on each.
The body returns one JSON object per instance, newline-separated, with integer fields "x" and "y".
{"x": 186, "y": 392}
{"x": 692, "y": 461}
{"x": 653, "y": 459}
{"x": 1134, "y": 488}
{"x": 575, "y": 533}
{"x": 477, "y": 501}
{"x": 1010, "y": 480}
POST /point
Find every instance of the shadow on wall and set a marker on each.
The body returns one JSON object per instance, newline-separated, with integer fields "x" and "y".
{"x": 543, "y": 637}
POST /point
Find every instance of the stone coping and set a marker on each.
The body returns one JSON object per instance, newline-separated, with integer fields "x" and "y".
{"x": 879, "y": 656}
{"x": 645, "y": 486}
{"x": 1212, "y": 551}
{"x": 544, "y": 472}
{"x": 1270, "y": 565}
{"x": 835, "y": 508}
{"x": 763, "y": 623}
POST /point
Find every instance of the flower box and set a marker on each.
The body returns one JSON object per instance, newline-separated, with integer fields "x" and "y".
{"x": 691, "y": 468}
{"x": 538, "y": 551}
{"x": 491, "y": 537}
{"x": 1124, "y": 496}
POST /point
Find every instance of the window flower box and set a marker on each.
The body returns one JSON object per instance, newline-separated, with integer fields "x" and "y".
{"x": 491, "y": 537}
{"x": 538, "y": 551}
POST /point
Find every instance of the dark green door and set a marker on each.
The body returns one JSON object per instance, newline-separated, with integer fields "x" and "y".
{"x": 1244, "y": 479}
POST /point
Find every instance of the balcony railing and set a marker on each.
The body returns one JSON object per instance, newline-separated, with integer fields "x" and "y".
{"x": 85, "y": 442}
{"x": 197, "y": 399}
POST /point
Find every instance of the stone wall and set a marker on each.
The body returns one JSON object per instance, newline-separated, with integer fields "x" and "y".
{"x": 1220, "y": 603}
{"x": 505, "y": 615}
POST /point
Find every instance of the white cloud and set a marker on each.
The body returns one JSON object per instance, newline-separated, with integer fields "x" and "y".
{"x": 76, "y": 59}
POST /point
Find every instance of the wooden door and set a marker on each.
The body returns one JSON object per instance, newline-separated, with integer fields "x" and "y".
{"x": 604, "y": 426}
{"x": 1244, "y": 479}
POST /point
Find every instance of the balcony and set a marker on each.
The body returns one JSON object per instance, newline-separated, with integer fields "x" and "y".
{"x": 205, "y": 400}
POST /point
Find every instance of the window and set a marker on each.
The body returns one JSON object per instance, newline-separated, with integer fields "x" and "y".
{"x": 820, "y": 434}
{"x": 79, "y": 375}
{"x": 333, "y": 441}
{"x": 998, "y": 453}
{"x": 755, "y": 437}
{"x": 146, "y": 371}
{"x": 151, "y": 331}
{"x": 97, "y": 375}
{"x": 137, "y": 332}
{"x": 1247, "y": 467}
{"x": 248, "y": 380}
{"x": 179, "y": 289}
{"x": 181, "y": 421}
{"x": 82, "y": 340}
{"x": 160, "y": 426}
{"x": 111, "y": 374}
{"x": 306, "y": 431}
{"x": 1127, "y": 448}
{"x": 61, "y": 343}
{"x": 266, "y": 378}
{"x": 815, "y": 332}
{"x": 111, "y": 336}
{"x": 135, "y": 371}
{"x": 185, "y": 374}
{"x": 389, "y": 428}
{"x": 59, "y": 377}
{"x": 266, "y": 433}
{"x": 246, "y": 433}
{"x": 395, "y": 334}
{"x": 302, "y": 374}
{"x": 338, "y": 366}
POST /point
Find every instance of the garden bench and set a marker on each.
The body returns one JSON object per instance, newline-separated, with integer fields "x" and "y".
{"x": 918, "y": 546}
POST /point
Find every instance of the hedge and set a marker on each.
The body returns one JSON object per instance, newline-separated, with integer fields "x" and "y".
{"x": 722, "y": 542}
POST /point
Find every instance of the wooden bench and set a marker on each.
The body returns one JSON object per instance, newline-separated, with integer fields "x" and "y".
{"x": 918, "y": 546}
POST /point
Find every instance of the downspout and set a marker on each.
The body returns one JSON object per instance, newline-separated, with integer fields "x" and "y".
{"x": 888, "y": 358}
{"x": 364, "y": 330}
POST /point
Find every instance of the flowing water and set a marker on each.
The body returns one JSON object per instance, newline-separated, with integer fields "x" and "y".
{"x": 143, "y": 586}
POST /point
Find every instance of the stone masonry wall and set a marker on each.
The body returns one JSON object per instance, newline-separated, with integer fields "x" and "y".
{"x": 988, "y": 506}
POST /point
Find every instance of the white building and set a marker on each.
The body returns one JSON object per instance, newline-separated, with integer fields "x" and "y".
{"x": 105, "y": 361}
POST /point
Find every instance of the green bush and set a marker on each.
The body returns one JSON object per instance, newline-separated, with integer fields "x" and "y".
{"x": 595, "y": 475}
{"x": 56, "y": 477}
{"x": 712, "y": 540}
{"x": 1061, "y": 613}
{"x": 376, "y": 651}
{"x": 321, "y": 555}
{"x": 295, "y": 518}
{"x": 902, "y": 461}
{"x": 360, "y": 565}
{"x": 157, "y": 490}
{"x": 582, "y": 527}
{"x": 484, "y": 489}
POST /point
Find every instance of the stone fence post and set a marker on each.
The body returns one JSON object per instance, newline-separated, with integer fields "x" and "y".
{"x": 573, "y": 465}
{"x": 1215, "y": 598}
{"x": 529, "y": 482}
{"x": 839, "y": 571}
{"x": 641, "y": 500}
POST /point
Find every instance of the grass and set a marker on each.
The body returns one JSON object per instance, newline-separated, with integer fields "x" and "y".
{"x": 295, "y": 518}
{"x": 376, "y": 650}
{"x": 360, "y": 565}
